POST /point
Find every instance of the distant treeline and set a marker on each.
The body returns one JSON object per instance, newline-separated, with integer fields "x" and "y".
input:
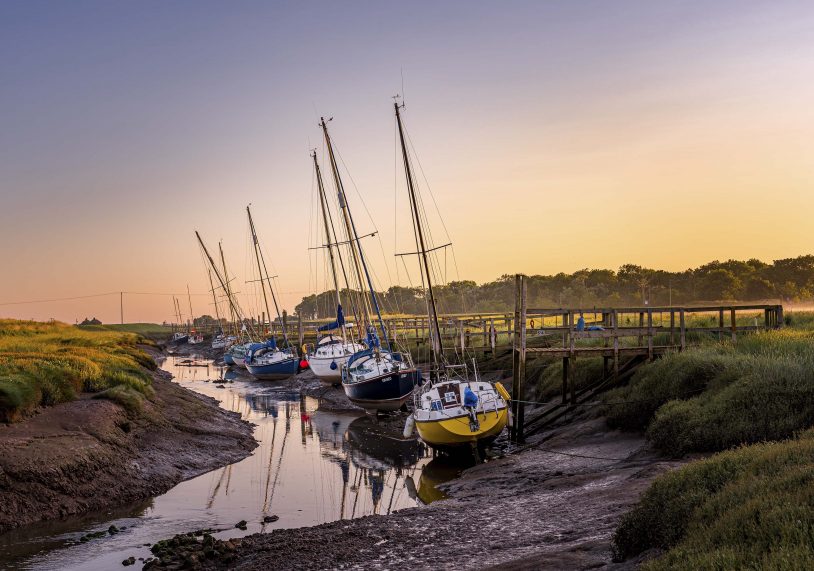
{"x": 790, "y": 279}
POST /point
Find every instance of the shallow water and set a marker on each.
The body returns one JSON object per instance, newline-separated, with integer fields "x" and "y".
{"x": 311, "y": 467}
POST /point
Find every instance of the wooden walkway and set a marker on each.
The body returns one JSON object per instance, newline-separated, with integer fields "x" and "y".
{"x": 623, "y": 337}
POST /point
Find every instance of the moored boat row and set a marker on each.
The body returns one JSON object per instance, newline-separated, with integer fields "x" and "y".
{"x": 453, "y": 407}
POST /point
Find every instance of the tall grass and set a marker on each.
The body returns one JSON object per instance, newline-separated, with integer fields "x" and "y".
{"x": 716, "y": 397}
{"x": 745, "y": 508}
{"x": 50, "y": 363}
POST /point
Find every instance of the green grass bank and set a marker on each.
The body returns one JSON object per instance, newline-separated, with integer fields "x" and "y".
{"x": 43, "y": 364}
{"x": 750, "y": 403}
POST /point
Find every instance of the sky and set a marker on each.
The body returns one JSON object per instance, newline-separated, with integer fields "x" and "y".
{"x": 553, "y": 135}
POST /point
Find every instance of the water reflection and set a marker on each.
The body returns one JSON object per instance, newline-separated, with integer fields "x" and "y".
{"x": 311, "y": 467}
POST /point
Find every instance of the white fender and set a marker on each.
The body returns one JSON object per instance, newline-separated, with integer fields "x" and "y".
{"x": 409, "y": 426}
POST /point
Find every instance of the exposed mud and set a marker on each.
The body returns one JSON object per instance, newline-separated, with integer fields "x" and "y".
{"x": 89, "y": 454}
{"x": 553, "y": 505}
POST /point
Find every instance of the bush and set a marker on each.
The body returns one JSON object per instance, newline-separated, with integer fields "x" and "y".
{"x": 744, "y": 508}
{"x": 675, "y": 376}
{"x": 714, "y": 397}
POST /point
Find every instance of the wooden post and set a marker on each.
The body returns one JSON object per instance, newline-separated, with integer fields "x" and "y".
{"x": 720, "y": 325}
{"x": 650, "y": 334}
{"x": 672, "y": 327}
{"x": 300, "y": 329}
{"x": 565, "y": 332}
{"x": 641, "y": 326}
{"x": 493, "y": 335}
{"x": 733, "y": 324}
{"x": 615, "y": 324}
{"x": 780, "y": 319}
{"x": 683, "y": 327}
{"x": 461, "y": 330}
{"x": 564, "y": 380}
{"x": 571, "y": 356}
{"x": 519, "y": 358}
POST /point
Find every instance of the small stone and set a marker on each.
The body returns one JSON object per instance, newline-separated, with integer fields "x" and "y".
{"x": 270, "y": 518}
{"x": 129, "y": 561}
{"x": 241, "y": 524}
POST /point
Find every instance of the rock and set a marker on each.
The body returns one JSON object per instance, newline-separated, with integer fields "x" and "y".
{"x": 241, "y": 525}
{"x": 129, "y": 561}
{"x": 270, "y": 518}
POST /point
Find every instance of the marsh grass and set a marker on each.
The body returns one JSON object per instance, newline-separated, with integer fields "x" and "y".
{"x": 745, "y": 508}
{"x": 750, "y": 505}
{"x": 720, "y": 395}
{"x": 49, "y": 363}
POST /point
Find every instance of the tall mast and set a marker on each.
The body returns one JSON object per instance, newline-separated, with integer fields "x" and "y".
{"x": 329, "y": 242}
{"x": 189, "y": 298}
{"x": 178, "y": 311}
{"x": 431, "y": 307}
{"x": 228, "y": 289}
{"x": 354, "y": 246}
{"x": 256, "y": 246}
{"x": 214, "y": 297}
{"x": 224, "y": 284}
{"x": 262, "y": 260}
{"x": 353, "y": 236}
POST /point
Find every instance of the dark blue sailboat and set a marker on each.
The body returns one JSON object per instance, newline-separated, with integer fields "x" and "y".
{"x": 376, "y": 378}
{"x": 267, "y": 361}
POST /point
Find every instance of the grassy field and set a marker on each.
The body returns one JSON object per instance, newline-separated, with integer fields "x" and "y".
{"x": 751, "y": 505}
{"x": 49, "y": 363}
{"x": 153, "y": 331}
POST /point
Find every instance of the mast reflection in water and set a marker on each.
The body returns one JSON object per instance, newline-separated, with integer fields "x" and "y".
{"x": 311, "y": 467}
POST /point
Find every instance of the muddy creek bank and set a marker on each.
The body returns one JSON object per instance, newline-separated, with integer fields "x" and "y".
{"x": 318, "y": 460}
{"x": 553, "y": 505}
{"x": 90, "y": 454}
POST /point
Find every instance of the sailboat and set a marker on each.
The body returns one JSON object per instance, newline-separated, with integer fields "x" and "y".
{"x": 377, "y": 378}
{"x": 266, "y": 360}
{"x": 237, "y": 353}
{"x": 332, "y": 350}
{"x": 195, "y": 338}
{"x": 219, "y": 340}
{"x": 451, "y": 410}
{"x": 179, "y": 336}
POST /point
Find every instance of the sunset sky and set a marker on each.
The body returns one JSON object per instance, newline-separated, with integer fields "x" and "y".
{"x": 555, "y": 135}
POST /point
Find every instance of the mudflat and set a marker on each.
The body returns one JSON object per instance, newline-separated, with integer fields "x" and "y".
{"x": 90, "y": 454}
{"x": 553, "y": 505}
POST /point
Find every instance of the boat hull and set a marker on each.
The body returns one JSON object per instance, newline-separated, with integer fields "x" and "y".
{"x": 385, "y": 392}
{"x": 321, "y": 366}
{"x": 274, "y": 371}
{"x": 454, "y": 432}
{"x": 227, "y": 358}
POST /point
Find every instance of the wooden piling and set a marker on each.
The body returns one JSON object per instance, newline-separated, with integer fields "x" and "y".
{"x": 519, "y": 359}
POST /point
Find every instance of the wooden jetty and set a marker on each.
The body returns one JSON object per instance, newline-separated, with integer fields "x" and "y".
{"x": 623, "y": 337}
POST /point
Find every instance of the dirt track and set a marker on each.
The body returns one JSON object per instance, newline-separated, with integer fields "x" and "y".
{"x": 89, "y": 454}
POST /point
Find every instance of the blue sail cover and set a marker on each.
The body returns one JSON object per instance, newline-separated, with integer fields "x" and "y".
{"x": 340, "y": 321}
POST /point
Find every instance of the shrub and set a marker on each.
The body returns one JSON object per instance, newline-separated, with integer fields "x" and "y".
{"x": 745, "y": 508}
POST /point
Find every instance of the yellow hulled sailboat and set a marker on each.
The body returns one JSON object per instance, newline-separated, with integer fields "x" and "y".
{"x": 451, "y": 410}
